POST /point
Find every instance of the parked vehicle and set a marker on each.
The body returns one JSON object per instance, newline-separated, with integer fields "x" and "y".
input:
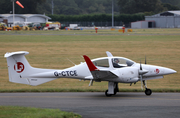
{"x": 53, "y": 25}
{"x": 74, "y": 27}
{"x": 4, "y": 27}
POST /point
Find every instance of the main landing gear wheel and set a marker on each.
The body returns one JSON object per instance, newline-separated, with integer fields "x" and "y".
{"x": 115, "y": 91}
{"x": 106, "y": 93}
{"x": 148, "y": 92}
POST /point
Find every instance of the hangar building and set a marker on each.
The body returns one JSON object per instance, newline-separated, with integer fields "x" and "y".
{"x": 143, "y": 24}
{"x": 34, "y": 18}
{"x": 168, "y": 19}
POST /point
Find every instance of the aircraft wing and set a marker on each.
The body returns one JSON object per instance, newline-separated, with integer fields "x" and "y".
{"x": 96, "y": 73}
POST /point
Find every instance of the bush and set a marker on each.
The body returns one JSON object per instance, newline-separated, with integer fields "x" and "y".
{"x": 125, "y": 18}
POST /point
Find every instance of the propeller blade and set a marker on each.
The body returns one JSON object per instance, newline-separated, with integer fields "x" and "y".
{"x": 141, "y": 82}
{"x": 145, "y": 60}
{"x": 141, "y": 75}
{"x": 140, "y": 66}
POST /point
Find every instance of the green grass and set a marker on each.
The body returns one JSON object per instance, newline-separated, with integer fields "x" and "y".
{"x": 100, "y": 31}
{"x": 52, "y": 51}
{"x": 28, "y": 112}
{"x": 52, "y": 48}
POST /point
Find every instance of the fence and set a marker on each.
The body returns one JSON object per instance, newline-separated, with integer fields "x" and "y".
{"x": 98, "y": 24}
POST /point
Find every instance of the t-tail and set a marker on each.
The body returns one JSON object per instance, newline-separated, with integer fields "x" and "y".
{"x": 20, "y": 71}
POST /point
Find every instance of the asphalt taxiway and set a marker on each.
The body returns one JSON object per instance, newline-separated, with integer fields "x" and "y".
{"x": 97, "y": 105}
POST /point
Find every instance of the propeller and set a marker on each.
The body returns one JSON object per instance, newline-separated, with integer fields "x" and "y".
{"x": 145, "y": 80}
{"x": 141, "y": 72}
{"x": 141, "y": 75}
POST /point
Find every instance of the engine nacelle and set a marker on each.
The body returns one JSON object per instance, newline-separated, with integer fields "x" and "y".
{"x": 129, "y": 74}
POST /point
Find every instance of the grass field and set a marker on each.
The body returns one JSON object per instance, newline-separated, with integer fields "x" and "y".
{"x": 100, "y": 31}
{"x": 29, "y": 112}
{"x": 51, "y": 50}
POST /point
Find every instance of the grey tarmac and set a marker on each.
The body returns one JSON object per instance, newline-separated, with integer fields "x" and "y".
{"x": 97, "y": 105}
{"x": 76, "y": 34}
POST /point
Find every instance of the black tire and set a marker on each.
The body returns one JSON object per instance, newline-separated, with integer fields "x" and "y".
{"x": 106, "y": 93}
{"x": 148, "y": 92}
{"x": 115, "y": 91}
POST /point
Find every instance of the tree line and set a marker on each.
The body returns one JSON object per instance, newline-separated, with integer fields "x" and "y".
{"x": 141, "y": 6}
{"x": 124, "y": 18}
{"x": 79, "y": 7}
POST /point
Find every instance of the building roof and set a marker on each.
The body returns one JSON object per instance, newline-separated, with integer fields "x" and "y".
{"x": 175, "y": 12}
{"x": 23, "y": 15}
{"x": 167, "y": 13}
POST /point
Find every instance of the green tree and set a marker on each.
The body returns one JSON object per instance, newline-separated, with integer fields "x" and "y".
{"x": 29, "y": 6}
{"x": 170, "y": 7}
{"x": 101, "y": 9}
{"x": 6, "y": 7}
{"x": 172, "y": 2}
{"x": 138, "y": 6}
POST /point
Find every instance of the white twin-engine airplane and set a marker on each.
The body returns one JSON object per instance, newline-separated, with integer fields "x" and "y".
{"x": 112, "y": 69}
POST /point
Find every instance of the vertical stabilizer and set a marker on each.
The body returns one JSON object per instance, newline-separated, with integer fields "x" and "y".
{"x": 17, "y": 64}
{"x": 20, "y": 71}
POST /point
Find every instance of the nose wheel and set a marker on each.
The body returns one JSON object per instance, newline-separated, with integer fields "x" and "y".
{"x": 148, "y": 92}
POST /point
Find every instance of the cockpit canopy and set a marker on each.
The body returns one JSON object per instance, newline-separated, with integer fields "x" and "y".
{"x": 121, "y": 62}
{"x": 101, "y": 63}
{"x": 115, "y": 62}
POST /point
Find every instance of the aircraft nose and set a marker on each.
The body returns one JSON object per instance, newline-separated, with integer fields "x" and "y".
{"x": 169, "y": 71}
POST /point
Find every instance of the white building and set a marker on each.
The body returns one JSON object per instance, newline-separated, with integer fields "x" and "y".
{"x": 34, "y": 18}
{"x": 143, "y": 24}
{"x": 168, "y": 19}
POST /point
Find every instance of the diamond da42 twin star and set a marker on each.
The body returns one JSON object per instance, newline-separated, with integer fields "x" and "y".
{"x": 112, "y": 69}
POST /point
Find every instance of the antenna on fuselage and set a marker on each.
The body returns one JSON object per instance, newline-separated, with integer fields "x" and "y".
{"x": 71, "y": 61}
{"x": 109, "y": 54}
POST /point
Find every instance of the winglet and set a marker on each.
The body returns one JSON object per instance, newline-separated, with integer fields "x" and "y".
{"x": 90, "y": 64}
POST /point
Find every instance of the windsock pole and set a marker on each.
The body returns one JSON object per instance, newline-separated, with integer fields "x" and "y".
{"x": 13, "y": 10}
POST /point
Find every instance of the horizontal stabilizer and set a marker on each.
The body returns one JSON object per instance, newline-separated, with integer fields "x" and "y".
{"x": 38, "y": 81}
{"x": 19, "y": 80}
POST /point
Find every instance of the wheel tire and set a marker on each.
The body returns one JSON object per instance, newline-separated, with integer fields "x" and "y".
{"x": 106, "y": 93}
{"x": 148, "y": 92}
{"x": 115, "y": 91}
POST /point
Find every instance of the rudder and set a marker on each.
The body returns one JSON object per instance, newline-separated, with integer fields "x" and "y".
{"x": 20, "y": 71}
{"x": 17, "y": 65}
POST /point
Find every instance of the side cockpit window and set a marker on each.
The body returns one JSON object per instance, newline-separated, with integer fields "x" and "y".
{"x": 121, "y": 62}
{"x": 101, "y": 63}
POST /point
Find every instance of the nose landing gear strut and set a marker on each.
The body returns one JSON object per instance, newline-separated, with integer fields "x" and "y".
{"x": 148, "y": 92}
